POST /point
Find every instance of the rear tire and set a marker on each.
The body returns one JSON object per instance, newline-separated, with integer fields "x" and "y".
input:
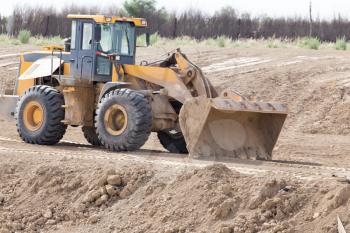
{"x": 39, "y": 116}
{"x": 91, "y": 135}
{"x": 174, "y": 143}
{"x": 123, "y": 120}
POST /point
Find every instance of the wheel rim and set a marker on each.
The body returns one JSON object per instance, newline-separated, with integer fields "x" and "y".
{"x": 33, "y": 116}
{"x": 116, "y": 120}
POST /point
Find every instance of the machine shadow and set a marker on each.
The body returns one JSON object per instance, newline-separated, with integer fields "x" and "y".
{"x": 141, "y": 152}
{"x": 72, "y": 145}
{"x": 257, "y": 162}
{"x": 159, "y": 154}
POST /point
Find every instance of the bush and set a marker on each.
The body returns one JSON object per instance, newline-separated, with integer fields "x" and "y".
{"x": 24, "y": 36}
{"x": 185, "y": 40}
{"x": 310, "y": 43}
{"x": 141, "y": 40}
{"x": 4, "y": 38}
{"x": 209, "y": 42}
{"x": 341, "y": 44}
{"x": 15, "y": 42}
{"x": 40, "y": 40}
{"x": 272, "y": 44}
{"x": 153, "y": 38}
{"x": 222, "y": 41}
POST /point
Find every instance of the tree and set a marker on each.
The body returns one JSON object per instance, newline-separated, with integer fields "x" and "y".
{"x": 140, "y": 8}
{"x": 311, "y": 21}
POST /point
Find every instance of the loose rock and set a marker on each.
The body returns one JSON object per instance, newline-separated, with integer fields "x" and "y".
{"x": 94, "y": 219}
{"x": 101, "y": 200}
{"x": 48, "y": 214}
{"x": 125, "y": 193}
{"x": 92, "y": 196}
{"x": 114, "y": 180}
{"x": 111, "y": 190}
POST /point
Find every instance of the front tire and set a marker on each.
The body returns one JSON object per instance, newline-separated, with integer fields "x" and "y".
{"x": 39, "y": 116}
{"x": 123, "y": 120}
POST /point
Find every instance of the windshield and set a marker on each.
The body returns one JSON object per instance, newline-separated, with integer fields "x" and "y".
{"x": 117, "y": 38}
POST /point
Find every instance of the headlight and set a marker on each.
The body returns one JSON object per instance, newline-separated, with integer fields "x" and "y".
{"x": 143, "y": 22}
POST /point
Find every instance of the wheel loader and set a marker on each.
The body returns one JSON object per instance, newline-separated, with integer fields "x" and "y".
{"x": 93, "y": 82}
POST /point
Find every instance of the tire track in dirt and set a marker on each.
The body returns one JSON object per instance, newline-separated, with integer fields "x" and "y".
{"x": 258, "y": 168}
{"x": 234, "y": 63}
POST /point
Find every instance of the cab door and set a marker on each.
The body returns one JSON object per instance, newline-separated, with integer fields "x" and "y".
{"x": 82, "y": 49}
{"x": 87, "y": 52}
{"x": 74, "y": 49}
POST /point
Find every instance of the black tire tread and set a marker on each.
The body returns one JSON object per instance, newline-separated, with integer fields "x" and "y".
{"x": 173, "y": 145}
{"x": 141, "y": 119}
{"x": 91, "y": 135}
{"x": 54, "y": 129}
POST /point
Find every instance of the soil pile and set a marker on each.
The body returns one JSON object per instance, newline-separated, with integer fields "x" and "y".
{"x": 210, "y": 199}
{"x": 54, "y": 195}
{"x": 217, "y": 199}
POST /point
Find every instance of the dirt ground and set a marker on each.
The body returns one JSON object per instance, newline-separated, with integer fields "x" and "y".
{"x": 73, "y": 187}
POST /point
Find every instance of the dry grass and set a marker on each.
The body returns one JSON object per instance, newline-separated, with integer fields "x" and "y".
{"x": 273, "y": 43}
{"x": 221, "y": 42}
{"x": 34, "y": 40}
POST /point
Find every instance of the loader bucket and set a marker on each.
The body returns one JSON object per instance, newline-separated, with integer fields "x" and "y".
{"x": 225, "y": 128}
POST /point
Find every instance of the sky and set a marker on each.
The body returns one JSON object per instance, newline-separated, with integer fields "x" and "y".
{"x": 274, "y": 8}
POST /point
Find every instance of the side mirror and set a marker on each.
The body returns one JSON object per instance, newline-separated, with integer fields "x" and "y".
{"x": 148, "y": 39}
{"x": 98, "y": 33}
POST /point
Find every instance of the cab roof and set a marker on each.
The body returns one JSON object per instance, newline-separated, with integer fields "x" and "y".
{"x": 138, "y": 22}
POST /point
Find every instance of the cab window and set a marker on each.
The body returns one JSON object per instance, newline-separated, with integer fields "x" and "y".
{"x": 124, "y": 35}
{"x": 105, "y": 44}
{"x": 73, "y": 36}
{"x": 86, "y": 43}
{"x": 103, "y": 65}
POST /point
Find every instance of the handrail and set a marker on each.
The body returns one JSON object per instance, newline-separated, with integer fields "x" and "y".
{"x": 59, "y": 68}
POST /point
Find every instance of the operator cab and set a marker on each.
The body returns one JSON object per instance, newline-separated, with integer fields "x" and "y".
{"x": 93, "y": 36}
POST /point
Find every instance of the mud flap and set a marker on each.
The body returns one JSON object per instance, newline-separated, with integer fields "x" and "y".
{"x": 8, "y": 105}
{"x": 222, "y": 127}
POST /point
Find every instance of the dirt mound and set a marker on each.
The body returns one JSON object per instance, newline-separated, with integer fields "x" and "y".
{"x": 53, "y": 195}
{"x": 217, "y": 199}
{"x": 68, "y": 197}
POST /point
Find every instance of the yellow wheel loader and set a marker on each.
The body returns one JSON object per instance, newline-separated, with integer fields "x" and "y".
{"x": 93, "y": 82}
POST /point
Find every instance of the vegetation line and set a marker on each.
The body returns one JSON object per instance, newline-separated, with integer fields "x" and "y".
{"x": 227, "y": 22}
{"x": 24, "y": 37}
